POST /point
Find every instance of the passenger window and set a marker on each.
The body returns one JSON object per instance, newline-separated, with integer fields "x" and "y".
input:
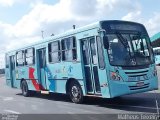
{"x": 54, "y": 51}
{"x": 85, "y": 53}
{"x": 93, "y": 51}
{"x": 100, "y": 53}
{"x": 20, "y": 58}
{"x": 69, "y": 52}
{"x": 7, "y": 61}
{"x": 29, "y": 56}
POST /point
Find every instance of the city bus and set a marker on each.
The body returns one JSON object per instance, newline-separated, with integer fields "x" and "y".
{"x": 156, "y": 51}
{"x": 105, "y": 59}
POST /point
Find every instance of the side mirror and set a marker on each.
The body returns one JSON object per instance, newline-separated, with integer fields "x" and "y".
{"x": 105, "y": 42}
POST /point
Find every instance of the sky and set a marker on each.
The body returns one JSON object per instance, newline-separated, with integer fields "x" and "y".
{"x": 21, "y": 21}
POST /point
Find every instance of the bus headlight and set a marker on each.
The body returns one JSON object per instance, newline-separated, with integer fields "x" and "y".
{"x": 115, "y": 76}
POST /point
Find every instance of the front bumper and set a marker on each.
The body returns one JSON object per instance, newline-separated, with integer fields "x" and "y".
{"x": 118, "y": 88}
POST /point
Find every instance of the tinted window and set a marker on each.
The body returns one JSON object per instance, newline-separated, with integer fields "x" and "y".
{"x": 85, "y": 52}
{"x": 100, "y": 53}
{"x": 54, "y": 51}
{"x": 69, "y": 52}
{"x": 7, "y": 61}
{"x": 93, "y": 51}
{"x": 29, "y": 56}
{"x": 20, "y": 58}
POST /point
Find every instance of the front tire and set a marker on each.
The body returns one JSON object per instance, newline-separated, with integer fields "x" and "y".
{"x": 24, "y": 88}
{"x": 75, "y": 92}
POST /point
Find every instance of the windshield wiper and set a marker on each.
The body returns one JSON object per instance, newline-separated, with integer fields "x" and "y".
{"x": 124, "y": 42}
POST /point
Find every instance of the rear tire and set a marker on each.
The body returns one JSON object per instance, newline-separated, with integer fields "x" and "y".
{"x": 75, "y": 93}
{"x": 24, "y": 88}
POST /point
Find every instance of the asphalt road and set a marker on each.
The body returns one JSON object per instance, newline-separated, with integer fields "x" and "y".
{"x": 11, "y": 101}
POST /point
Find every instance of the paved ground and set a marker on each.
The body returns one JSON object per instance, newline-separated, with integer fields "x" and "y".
{"x": 11, "y": 101}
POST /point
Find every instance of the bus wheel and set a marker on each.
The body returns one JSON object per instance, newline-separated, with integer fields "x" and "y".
{"x": 24, "y": 88}
{"x": 75, "y": 92}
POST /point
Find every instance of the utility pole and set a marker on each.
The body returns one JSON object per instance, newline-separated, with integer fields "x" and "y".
{"x": 42, "y": 34}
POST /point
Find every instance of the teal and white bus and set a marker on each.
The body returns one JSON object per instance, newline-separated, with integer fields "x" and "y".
{"x": 104, "y": 59}
{"x": 157, "y": 55}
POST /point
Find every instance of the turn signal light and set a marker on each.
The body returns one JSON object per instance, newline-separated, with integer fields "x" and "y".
{"x": 115, "y": 76}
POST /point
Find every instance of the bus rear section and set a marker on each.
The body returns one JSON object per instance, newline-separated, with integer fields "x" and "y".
{"x": 156, "y": 51}
{"x": 10, "y": 70}
{"x": 130, "y": 60}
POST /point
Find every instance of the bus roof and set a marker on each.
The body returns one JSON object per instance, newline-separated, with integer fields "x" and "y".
{"x": 69, "y": 32}
{"x": 72, "y": 31}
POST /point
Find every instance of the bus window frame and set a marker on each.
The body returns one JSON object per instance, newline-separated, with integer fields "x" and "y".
{"x": 23, "y": 57}
{"x": 7, "y": 61}
{"x": 33, "y": 60}
{"x": 73, "y": 48}
{"x": 100, "y": 39}
{"x": 59, "y": 52}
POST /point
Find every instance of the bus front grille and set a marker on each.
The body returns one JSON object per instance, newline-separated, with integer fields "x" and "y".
{"x": 139, "y": 73}
{"x": 137, "y": 76}
{"x": 139, "y": 87}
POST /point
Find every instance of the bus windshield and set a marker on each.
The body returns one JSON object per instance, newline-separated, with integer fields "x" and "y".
{"x": 129, "y": 49}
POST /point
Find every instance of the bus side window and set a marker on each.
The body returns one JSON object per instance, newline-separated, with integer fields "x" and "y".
{"x": 74, "y": 50}
{"x": 100, "y": 53}
{"x": 20, "y": 58}
{"x": 69, "y": 52}
{"x": 54, "y": 51}
{"x": 7, "y": 61}
{"x": 29, "y": 56}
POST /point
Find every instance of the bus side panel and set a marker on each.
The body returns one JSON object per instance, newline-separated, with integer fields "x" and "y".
{"x": 59, "y": 73}
{"x": 29, "y": 74}
{"x": 8, "y": 78}
{"x": 33, "y": 81}
{"x": 7, "y": 72}
{"x": 153, "y": 79}
{"x": 105, "y": 90}
{"x": 104, "y": 84}
{"x": 20, "y": 73}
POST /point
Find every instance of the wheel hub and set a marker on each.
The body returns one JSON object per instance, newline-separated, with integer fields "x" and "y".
{"x": 75, "y": 91}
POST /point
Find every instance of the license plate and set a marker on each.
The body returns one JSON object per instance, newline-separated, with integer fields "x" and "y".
{"x": 140, "y": 84}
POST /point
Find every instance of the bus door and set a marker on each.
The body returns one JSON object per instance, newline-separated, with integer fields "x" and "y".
{"x": 12, "y": 71}
{"x": 41, "y": 67}
{"x": 90, "y": 60}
